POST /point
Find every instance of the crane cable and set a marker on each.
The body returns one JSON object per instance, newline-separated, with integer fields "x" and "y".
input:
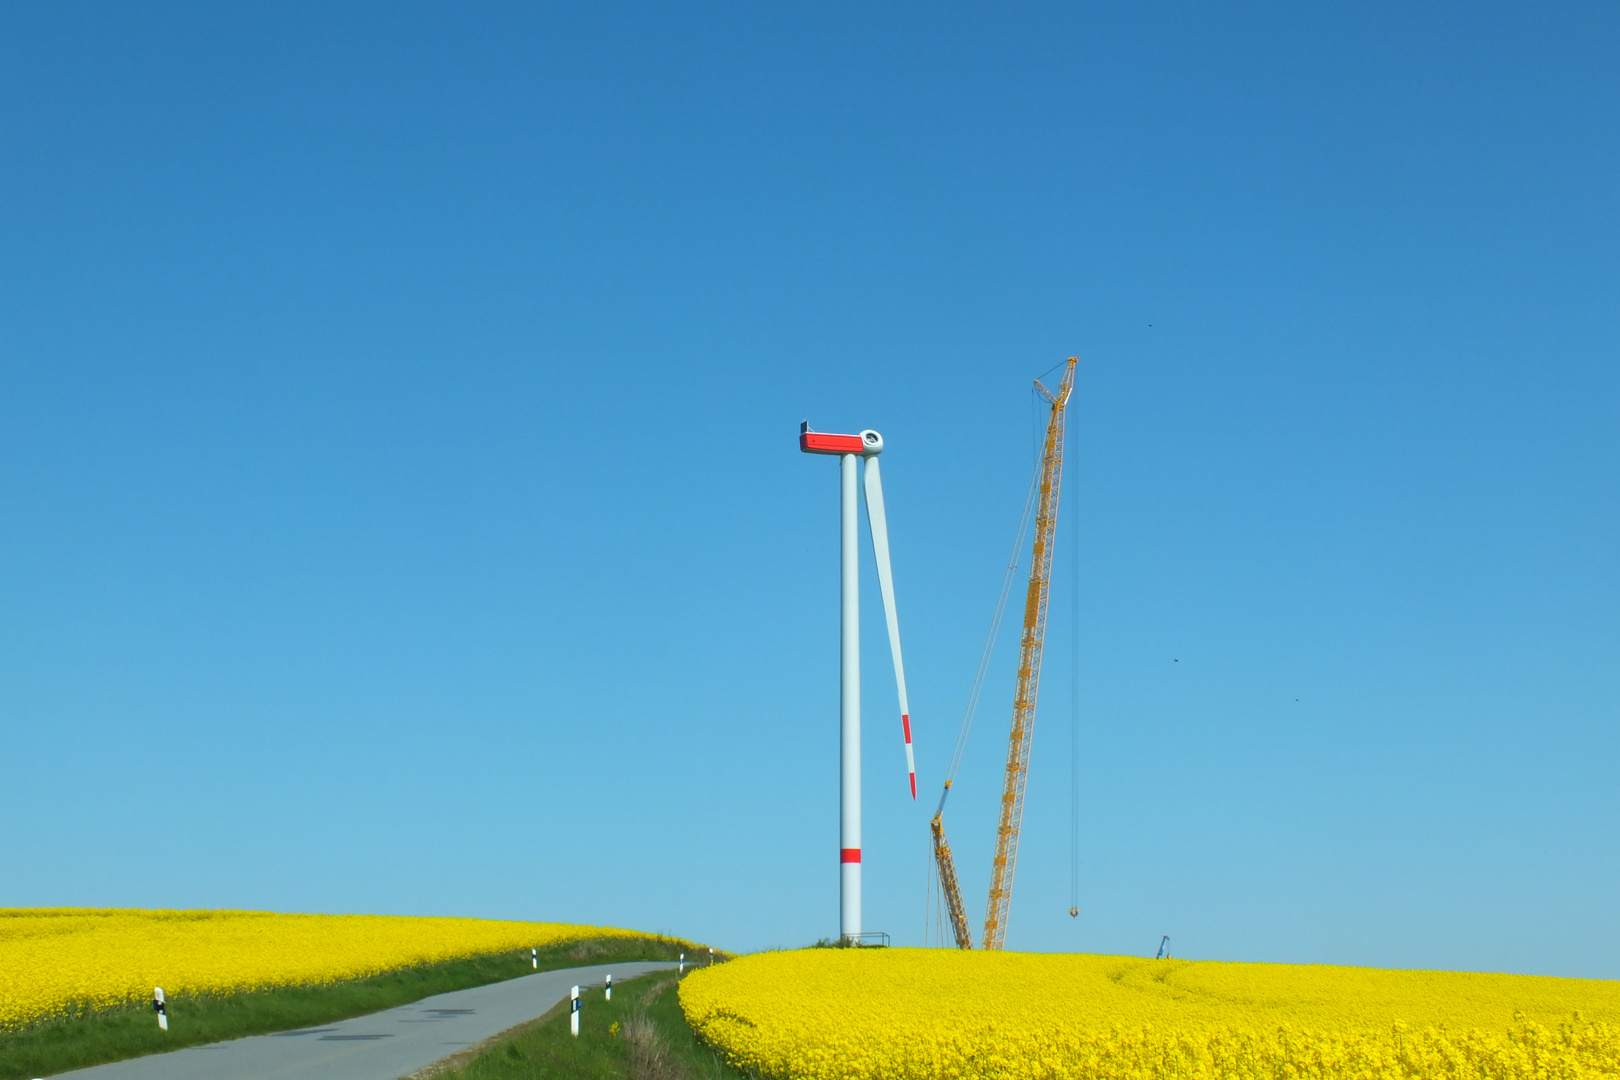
{"x": 930, "y": 910}
{"x": 990, "y": 639}
{"x": 1074, "y": 714}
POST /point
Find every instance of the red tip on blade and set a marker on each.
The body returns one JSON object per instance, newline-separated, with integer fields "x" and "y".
{"x": 913, "y": 787}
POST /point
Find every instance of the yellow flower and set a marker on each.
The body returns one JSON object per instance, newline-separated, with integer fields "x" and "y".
{"x": 58, "y": 962}
{"x": 914, "y": 1014}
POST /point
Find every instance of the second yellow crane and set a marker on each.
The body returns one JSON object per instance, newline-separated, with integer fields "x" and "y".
{"x": 1049, "y": 479}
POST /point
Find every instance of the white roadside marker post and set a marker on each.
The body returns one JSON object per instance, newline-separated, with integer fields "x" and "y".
{"x": 160, "y": 1006}
{"x": 682, "y": 970}
{"x": 573, "y": 1013}
{"x": 609, "y": 988}
{"x": 534, "y": 958}
{"x": 711, "y": 956}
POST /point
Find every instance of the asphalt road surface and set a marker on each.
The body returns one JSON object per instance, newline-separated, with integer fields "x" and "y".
{"x": 382, "y": 1046}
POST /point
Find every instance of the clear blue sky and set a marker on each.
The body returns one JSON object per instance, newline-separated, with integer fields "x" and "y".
{"x": 402, "y": 510}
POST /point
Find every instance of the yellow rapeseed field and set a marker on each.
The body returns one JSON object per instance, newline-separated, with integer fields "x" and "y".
{"x": 935, "y": 1014}
{"x": 64, "y": 961}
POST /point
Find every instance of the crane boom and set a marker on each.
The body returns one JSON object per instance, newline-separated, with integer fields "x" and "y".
{"x": 949, "y": 887}
{"x": 1029, "y": 667}
{"x": 948, "y": 884}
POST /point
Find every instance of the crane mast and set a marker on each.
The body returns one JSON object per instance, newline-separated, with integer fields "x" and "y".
{"x": 1029, "y": 666}
{"x": 1044, "y": 494}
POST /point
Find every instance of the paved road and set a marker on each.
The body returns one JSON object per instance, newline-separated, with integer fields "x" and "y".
{"x": 382, "y": 1046}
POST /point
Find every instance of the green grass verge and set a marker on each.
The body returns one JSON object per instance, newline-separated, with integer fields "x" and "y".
{"x": 640, "y": 1035}
{"x": 114, "y": 1035}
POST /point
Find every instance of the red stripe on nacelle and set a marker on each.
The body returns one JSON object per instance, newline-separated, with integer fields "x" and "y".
{"x": 849, "y": 854}
{"x": 820, "y": 442}
{"x": 905, "y": 722}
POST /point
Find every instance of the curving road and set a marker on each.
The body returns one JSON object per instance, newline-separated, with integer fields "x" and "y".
{"x": 382, "y": 1046}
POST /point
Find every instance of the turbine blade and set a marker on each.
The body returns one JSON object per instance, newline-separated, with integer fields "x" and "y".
{"x": 879, "y": 520}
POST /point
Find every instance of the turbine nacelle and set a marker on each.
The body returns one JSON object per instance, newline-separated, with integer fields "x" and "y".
{"x": 867, "y": 444}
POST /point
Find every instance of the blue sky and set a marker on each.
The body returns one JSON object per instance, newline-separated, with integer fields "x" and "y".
{"x": 403, "y": 510}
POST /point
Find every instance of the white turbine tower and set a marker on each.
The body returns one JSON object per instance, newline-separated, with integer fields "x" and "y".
{"x": 847, "y": 448}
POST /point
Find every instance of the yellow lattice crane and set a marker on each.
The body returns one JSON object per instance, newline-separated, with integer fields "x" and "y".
{"x": 1044, "y": 496}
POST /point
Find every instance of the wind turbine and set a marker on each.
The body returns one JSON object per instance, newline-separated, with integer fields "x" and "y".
{"x": 847, "y": 448}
